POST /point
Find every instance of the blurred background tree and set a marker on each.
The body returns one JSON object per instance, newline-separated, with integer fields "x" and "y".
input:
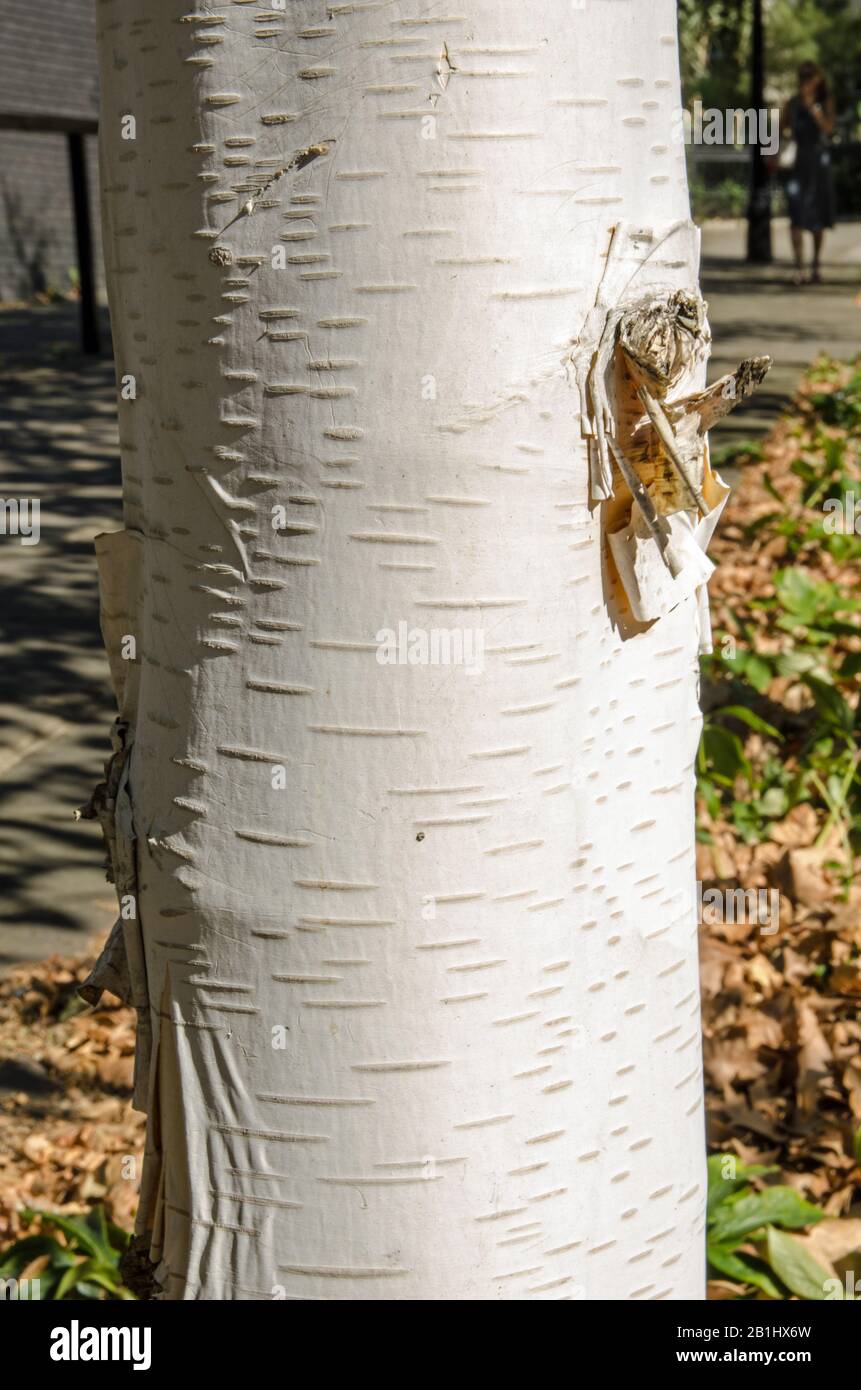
{"x": 716, "y": 51}
{"x": 716, "y": 60}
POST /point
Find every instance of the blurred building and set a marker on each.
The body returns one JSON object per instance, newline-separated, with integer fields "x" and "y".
{"x": 48, "y": 110}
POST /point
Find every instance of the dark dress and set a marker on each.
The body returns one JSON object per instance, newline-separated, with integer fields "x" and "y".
{"x": 810, "y": 187}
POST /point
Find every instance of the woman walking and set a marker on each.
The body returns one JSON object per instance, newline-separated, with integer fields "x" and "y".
{"x": 808, "y": 120}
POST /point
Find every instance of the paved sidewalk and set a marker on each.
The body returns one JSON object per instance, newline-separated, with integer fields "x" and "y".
{"x": 60, "y": 444}
{"x": 755, "y": 310}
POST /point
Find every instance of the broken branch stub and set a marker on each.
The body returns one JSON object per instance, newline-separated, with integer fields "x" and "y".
{"x": 660, "y": 341}
{"x": 664, "y": 336}
{"x": 654, "y": 345}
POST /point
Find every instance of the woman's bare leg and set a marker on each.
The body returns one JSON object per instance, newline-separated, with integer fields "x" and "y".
{"x": 797, "y": 253}
{"x": 818, "y": 238}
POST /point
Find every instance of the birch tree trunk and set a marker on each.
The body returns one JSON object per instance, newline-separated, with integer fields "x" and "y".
{"x": 401, "y": 804}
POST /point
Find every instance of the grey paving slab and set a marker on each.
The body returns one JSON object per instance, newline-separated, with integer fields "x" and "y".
{"x": 58, "y": 444}
{"x": 755, "y": 309}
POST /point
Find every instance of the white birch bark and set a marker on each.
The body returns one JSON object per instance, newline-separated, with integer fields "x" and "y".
{"x": 424, "y": 1009}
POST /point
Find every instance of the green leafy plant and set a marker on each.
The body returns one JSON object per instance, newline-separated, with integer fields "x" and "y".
{"x": 819, "y": 759}
{"x": 727, "y": 198}
{"x": 737, "y": 454}
{"x": 810, "y": 610}
{"x": 749, "y": 1238}
{"x": 73, "y": 1257}
{"x": 841, "y": 407}
{"x": 721, "y": 760}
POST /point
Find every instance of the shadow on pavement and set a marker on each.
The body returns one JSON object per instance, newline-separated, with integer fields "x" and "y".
{"x": 60, "y": 447}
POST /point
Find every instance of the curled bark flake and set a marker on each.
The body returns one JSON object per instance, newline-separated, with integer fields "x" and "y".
{"x": 102, "y": 802}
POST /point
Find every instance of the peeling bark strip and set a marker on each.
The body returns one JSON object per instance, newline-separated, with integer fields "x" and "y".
{"x": 416, "y": 947}
{"x": 649, "y": 346}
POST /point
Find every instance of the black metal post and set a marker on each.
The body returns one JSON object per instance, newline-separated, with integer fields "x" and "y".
{"x": 759, "y": 205}
{"x": 83, "y": 241}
